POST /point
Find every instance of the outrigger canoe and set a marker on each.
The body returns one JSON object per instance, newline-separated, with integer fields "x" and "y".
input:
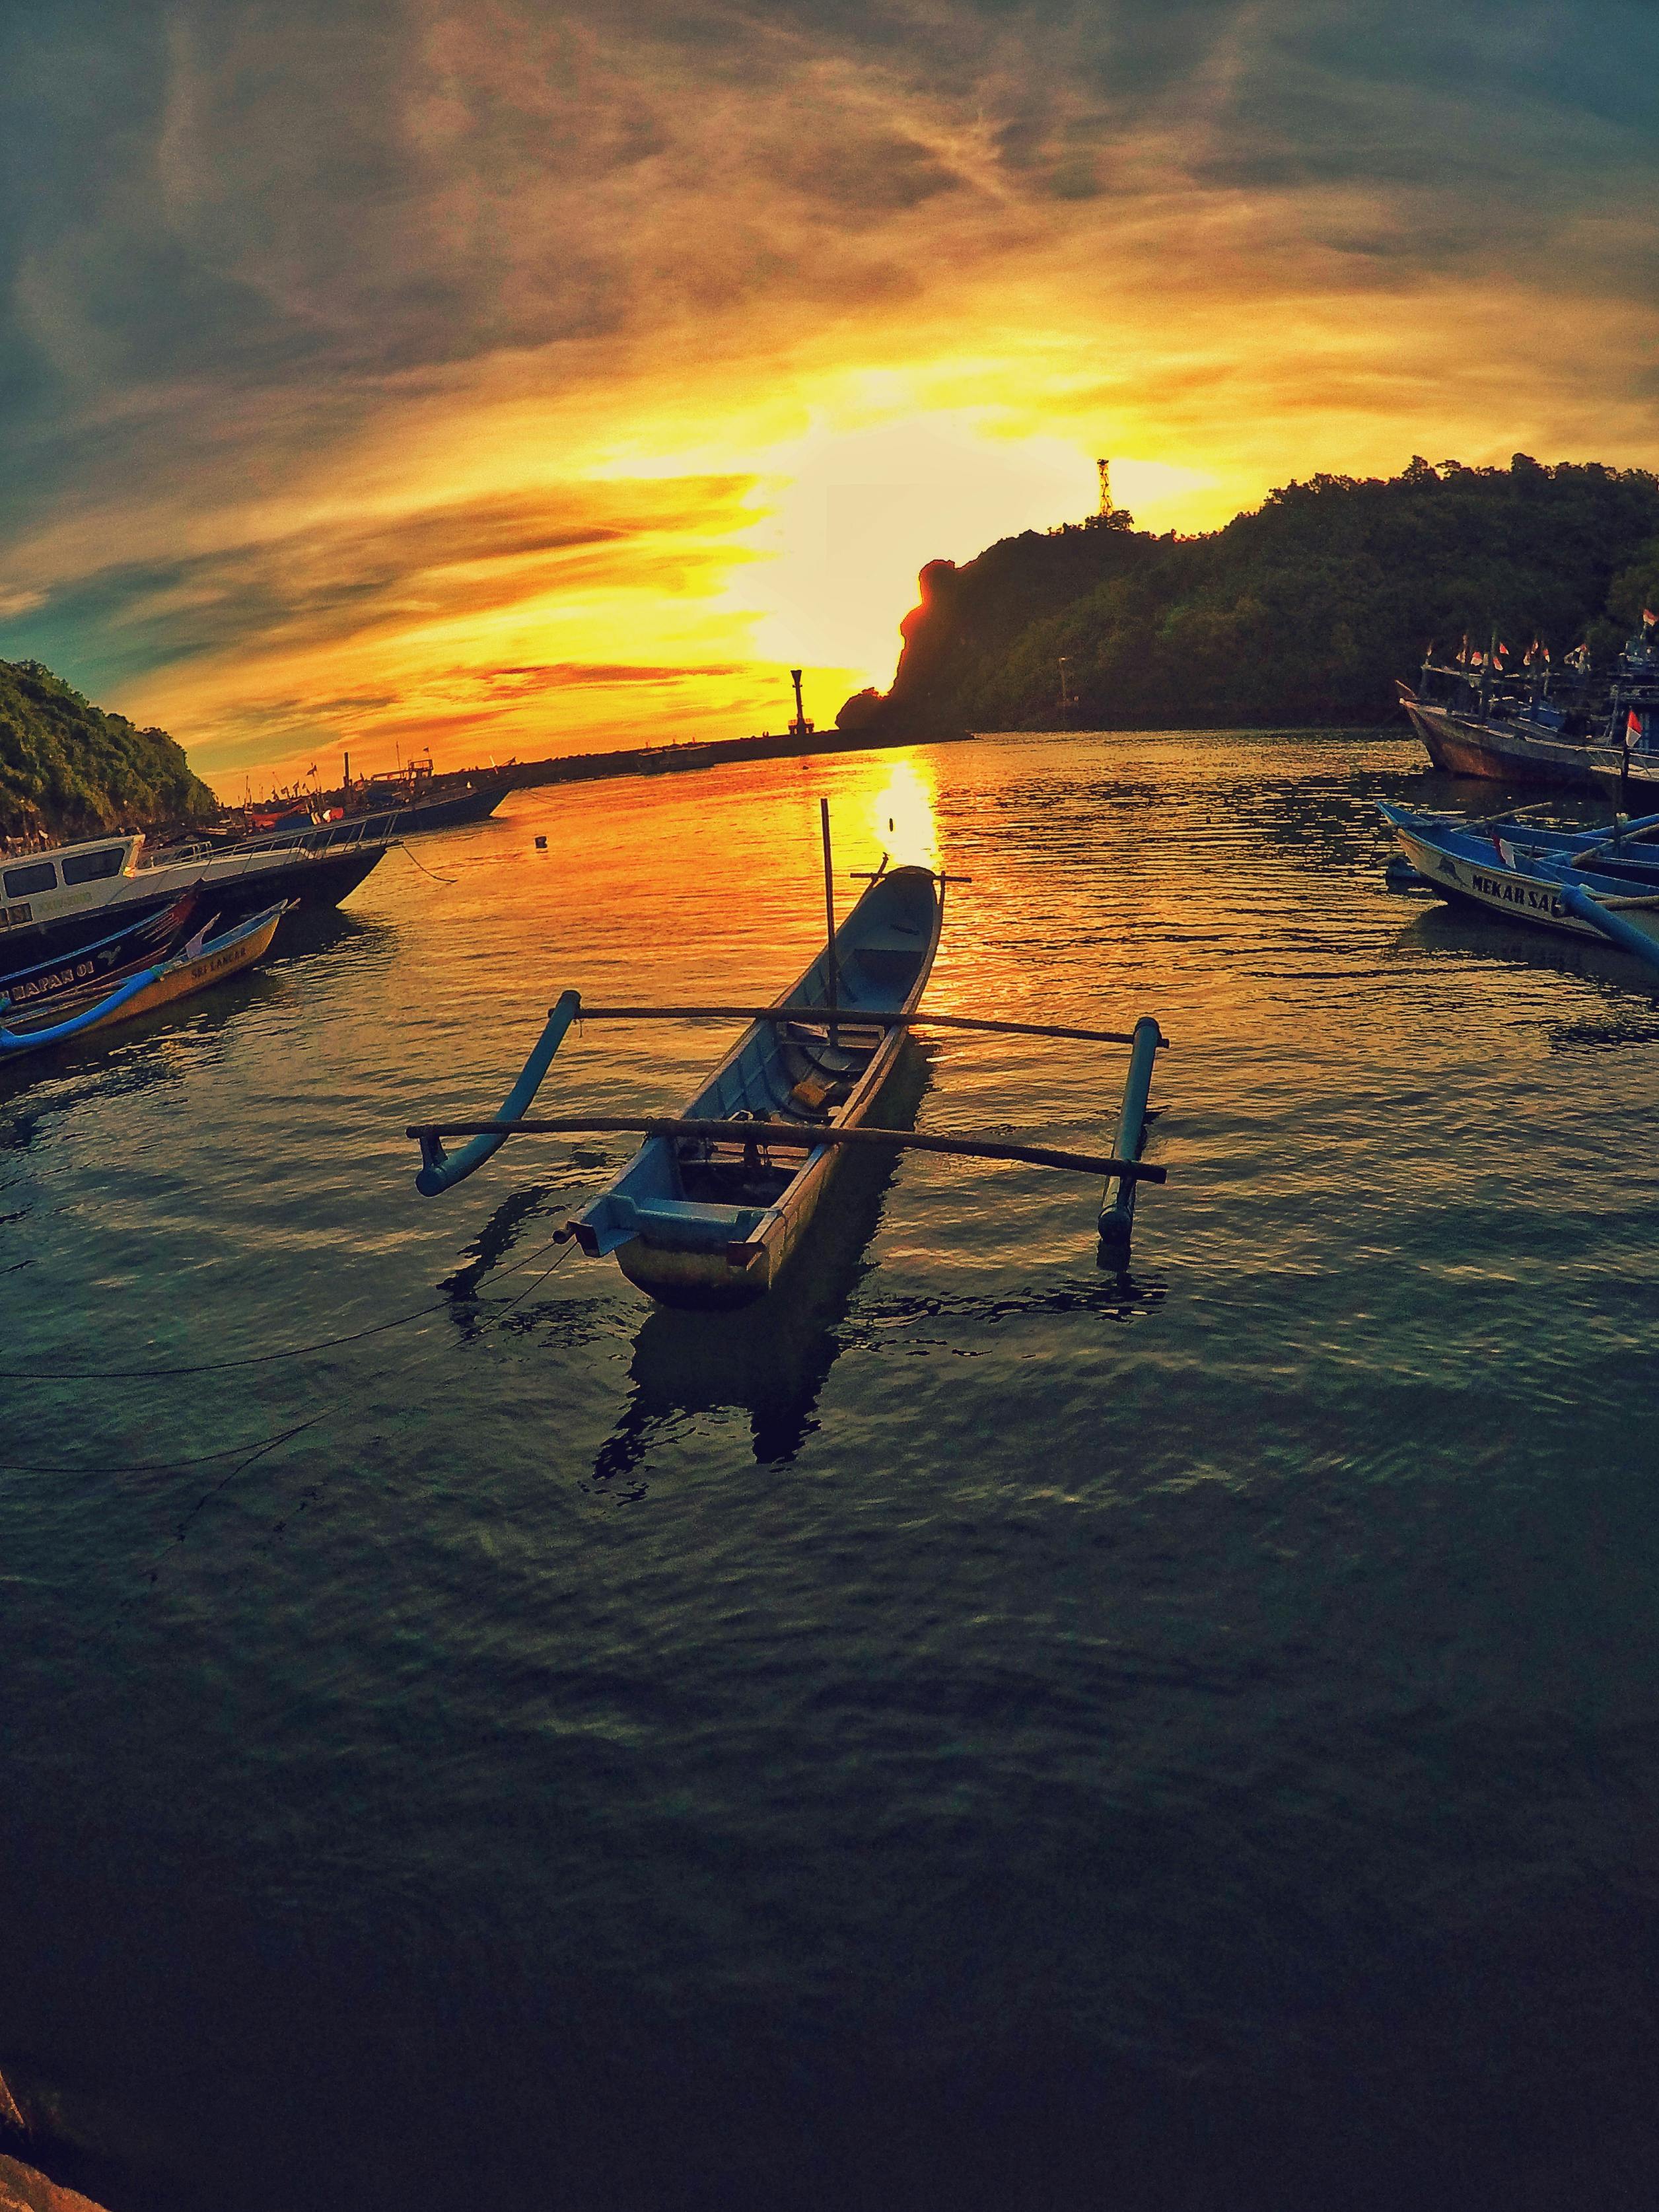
{"x": 706, "y": 1213}
{"x": 82, "y": 1006}
{"x": 703, "y": 1221}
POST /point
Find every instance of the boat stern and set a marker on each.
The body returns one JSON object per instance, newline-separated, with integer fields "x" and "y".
{"x": 679, "y": 1251}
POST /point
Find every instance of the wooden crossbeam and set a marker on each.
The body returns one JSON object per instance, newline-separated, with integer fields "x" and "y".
{"x": 854, "y": 1016}
{"x": 793, "y": 1136}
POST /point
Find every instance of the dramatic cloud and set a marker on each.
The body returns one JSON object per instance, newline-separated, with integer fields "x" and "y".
{"x": 353, "y": 353}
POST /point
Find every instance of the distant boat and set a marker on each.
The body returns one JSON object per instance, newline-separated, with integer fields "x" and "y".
{"x": 1531, "y": 726}
{"x": 397, "y": 804}
{"x": 72, "y": 1009}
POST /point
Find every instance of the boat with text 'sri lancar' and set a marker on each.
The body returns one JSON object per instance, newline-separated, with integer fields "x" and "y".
{"x": 49, "y": 1006}
{"x": 718, "y": 1198}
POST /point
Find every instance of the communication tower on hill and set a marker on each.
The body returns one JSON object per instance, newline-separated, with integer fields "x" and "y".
{"x": 1105, "y": 468}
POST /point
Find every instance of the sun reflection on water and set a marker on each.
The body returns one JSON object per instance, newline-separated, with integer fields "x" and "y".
{"x": 901, "y": 815}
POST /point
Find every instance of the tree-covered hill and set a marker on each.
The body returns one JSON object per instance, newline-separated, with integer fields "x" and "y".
{"x": 69, "y": 769}
{"x": 1303, "y": 611}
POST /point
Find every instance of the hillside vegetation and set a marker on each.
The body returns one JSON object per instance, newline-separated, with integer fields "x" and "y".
{"x": 69, "y": 770}
{"x": 1303, "y": 612}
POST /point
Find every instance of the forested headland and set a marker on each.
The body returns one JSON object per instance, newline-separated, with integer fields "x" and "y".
{"x": 1303, "y": 612}
{"x": 69, "y": 769}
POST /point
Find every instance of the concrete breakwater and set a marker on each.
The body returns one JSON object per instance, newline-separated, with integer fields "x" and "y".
{"x": 681, "y": 760}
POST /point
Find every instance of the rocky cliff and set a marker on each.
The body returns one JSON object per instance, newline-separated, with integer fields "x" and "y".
{"x": 1301, "y": 612}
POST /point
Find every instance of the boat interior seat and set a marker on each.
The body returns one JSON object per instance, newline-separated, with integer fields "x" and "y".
{"x": 684, "y": 1223}
{"x": 888, "y": 958}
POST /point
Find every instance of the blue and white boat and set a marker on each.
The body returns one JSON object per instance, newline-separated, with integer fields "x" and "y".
{"x": 696, "y": 1221}
{"x": 1583, "y": 883}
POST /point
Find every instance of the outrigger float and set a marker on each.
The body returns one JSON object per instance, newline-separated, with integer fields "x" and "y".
{"x": 709, "y": 1210}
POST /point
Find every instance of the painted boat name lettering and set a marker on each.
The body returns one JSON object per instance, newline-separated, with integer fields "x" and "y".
{"x": 56, "y": 980}
{"x": 1512, "y": 894}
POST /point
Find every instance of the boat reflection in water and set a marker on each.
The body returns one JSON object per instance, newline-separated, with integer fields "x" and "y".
{"x": 770, "y": 1360}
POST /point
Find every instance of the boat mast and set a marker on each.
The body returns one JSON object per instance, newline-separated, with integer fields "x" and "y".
{"x": 829, "y": 904}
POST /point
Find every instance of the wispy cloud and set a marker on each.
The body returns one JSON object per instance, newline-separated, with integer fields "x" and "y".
{"x": 331, "y": 332}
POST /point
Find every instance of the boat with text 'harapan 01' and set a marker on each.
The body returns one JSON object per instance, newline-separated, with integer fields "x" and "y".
{"x": 51, "y": 1007}
{"x": 716, "y": 1201}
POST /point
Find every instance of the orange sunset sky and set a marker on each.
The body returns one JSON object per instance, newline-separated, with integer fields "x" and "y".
{"x": 508, "y": 380}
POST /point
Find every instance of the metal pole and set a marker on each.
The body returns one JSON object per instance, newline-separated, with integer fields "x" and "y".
{"x": 830, "y": 915}
{"x": 1117, "y": 1217}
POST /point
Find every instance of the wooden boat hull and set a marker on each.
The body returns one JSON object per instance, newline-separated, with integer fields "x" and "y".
{"x": 684, "y": 1244}
{"x": 220, "y": 958}
{"x": 1512, "y": 891}
{"x": 703, "y": 1280}
{"x": 1522, "y": 752}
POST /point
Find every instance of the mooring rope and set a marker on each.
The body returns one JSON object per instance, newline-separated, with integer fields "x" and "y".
{"x": 255, "y": 1446}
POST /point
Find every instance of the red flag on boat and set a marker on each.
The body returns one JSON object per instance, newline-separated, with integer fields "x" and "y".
{"x": 1632, "y": 732}
{"x": 1648, "y": 618}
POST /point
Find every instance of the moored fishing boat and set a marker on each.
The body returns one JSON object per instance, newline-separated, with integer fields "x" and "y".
{"x": 383, "y": 806}
{"x": 706, "y": 1213}
{"x": 1569, "y": 729}
{"x": 103, "y": 961}
{"x": 58, "y": 902}
{"x": 77, "y": 1010}
{"x": 1581, "y": 883}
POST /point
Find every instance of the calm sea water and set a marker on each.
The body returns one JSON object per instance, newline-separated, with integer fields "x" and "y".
{"x": 975, "y": 1732}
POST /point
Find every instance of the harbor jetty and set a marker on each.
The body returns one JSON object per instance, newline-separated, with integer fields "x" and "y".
{"x": 695, "y": 754}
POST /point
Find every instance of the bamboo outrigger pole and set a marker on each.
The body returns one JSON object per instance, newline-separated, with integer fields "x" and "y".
{"x": 788, "y": 1136}
{"x": 1117, "y": 1216}
{"x": 858, "y": 1017}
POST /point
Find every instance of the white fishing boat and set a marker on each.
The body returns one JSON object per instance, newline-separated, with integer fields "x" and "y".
{"x": 53, "y": 902}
